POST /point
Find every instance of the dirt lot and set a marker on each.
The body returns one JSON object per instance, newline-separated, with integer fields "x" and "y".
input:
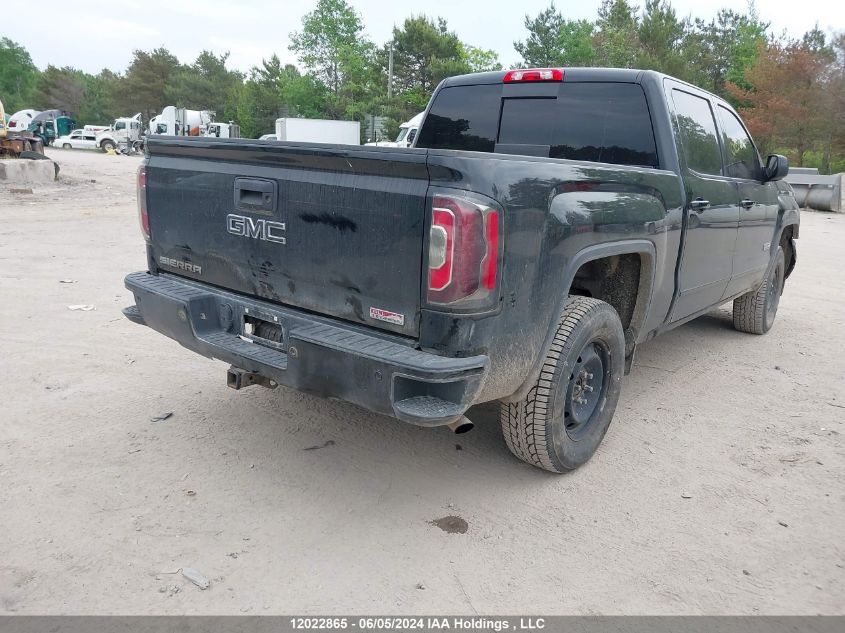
{"x": 720, "y": 487}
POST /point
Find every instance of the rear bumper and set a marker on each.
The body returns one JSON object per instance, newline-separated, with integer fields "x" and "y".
{"x": 382, "y": 373}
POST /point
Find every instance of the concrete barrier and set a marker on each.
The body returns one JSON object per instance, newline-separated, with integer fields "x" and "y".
{"x": 823, "y": 193}
{"x": 23, "y": 170}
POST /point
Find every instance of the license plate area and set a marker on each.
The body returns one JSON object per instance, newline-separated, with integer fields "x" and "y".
{"x": 264, "y": 329}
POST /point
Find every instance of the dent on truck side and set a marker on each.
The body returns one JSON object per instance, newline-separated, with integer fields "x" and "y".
{"x": 558, "y": 215}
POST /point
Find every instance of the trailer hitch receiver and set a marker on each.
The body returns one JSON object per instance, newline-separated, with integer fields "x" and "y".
{"x": 238, "y": 378}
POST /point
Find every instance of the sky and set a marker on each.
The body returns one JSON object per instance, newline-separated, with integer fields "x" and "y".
{"x": 104, "y": 34}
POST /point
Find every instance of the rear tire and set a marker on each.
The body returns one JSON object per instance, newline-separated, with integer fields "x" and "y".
{"x": 755, "y": 312}
{"x": 563, "y": 419}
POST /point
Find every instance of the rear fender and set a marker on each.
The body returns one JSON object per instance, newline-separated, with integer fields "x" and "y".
{"x": 645, "y": 249}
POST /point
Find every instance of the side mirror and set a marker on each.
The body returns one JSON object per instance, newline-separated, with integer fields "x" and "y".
{"x": 777, "y": 167}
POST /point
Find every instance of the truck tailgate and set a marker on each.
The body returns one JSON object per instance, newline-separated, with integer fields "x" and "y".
{"x": 337, "y": 230}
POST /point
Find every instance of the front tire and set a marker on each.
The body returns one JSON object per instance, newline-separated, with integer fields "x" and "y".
{"x": 107, "y": 145}
{"x": 563, "y": 419}
{"x": 66, "y": 146}
{"x": 755, "y": 312}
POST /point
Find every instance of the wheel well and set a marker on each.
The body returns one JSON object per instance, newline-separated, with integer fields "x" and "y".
{"x": 788, "y": 249}
{"x": 619, "y": 280}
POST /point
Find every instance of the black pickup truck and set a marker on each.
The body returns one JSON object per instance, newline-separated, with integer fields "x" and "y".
{"x": 546, "y": 222}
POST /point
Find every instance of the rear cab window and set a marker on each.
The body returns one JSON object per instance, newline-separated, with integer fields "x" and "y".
{"x": 604, "y": 122}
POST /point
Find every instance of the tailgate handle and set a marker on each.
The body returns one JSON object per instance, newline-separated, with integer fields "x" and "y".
{"x": 255, "y": 195}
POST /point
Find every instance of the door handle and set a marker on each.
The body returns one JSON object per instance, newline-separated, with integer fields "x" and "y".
{"x": 699, "y": 204}
{"x": 747, "y": 204}
{"x": 255, "y": 195}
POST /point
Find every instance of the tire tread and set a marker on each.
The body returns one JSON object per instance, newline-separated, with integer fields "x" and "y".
{"x": 749, "y": 310}
{"x": 525, "y": 424}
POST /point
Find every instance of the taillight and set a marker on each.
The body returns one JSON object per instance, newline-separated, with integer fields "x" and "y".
{"x": 143, "y": 218}
{"x": 533, "y": 74}
{"x": 463, "y": 257}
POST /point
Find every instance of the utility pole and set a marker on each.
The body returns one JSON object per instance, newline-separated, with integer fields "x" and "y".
{"x": 390, "y": 73}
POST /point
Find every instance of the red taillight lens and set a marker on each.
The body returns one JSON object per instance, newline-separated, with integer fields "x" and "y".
{"x": 491, "y": 259}
{"x": 463, "y": 258}
{"x": 143, "y": 218}
{"x": 533, "y": 74}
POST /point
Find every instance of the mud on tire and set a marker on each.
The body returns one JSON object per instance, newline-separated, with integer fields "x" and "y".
{"x": 755, "y": 312}
{"x": 561, "y": 422}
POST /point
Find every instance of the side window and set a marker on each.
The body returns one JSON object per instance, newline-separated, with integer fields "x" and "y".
{"x": 742, "y": 158}
{"x": 698, "y": 133}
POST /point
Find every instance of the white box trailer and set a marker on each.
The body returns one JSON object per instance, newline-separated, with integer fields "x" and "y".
{"x": 319, "y": 131}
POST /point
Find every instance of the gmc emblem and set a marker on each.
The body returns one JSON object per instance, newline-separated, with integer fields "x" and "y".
{"x": 258, "y": 229}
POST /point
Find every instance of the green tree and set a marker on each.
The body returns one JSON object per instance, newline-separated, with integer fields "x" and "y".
{"x": 88, "y": 97}
{"x": 480, "y": 60}
{"x": 335, "y": 52}
{"x": 206, "y": 85}
{"x": 60, "y": 88}
{"x": 728, "y": 46}
{"x": 98, "y": 106}
{"x": 258, "y": 104}
{"x": 144, "y": 87}
{"x": 555, "y": 41}
{"x": 616, "y": 37}
{"x": 331, "y": 38}
{"x": 661, "y": 39}
{"x": 424, "y": 53}
{"x": 833, "y": 155}
{"x": 272, "y": 91}
{"x": 301, "y": 95}
{"x": 18, "y": 76}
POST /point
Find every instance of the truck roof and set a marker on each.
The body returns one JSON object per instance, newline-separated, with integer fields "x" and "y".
{"x": 626, "y": 75}
{"x": 577, "y": 74}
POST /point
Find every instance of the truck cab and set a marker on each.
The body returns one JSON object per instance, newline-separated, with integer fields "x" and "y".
{"x": 49, "y": 129}
{"x": 406, "y": 136}
{"x": 124, "y": 131}
{"x": 223, "y": 130}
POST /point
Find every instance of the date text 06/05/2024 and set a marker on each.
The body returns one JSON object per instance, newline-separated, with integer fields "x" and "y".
{"x": 418, "y": 623}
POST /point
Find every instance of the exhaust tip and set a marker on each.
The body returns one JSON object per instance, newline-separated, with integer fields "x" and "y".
{"x": 461, "y": 425}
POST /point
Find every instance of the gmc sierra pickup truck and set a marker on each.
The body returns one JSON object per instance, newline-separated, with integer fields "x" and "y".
{"x": 545, "y": 223}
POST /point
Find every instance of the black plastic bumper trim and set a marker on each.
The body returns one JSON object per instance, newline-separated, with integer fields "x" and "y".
{"x": 317, "y": 355}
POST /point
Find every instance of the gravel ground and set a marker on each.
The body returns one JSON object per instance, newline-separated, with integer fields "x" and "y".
{"x": 718, "y": 489}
